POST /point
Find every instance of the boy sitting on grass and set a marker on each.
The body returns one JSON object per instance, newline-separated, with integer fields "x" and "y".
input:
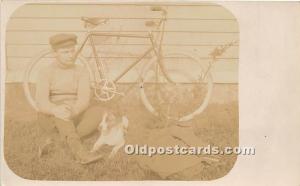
{"x": 62, "y": 96}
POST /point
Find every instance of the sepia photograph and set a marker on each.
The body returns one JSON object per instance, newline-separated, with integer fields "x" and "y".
{"x": 121, "y": 91}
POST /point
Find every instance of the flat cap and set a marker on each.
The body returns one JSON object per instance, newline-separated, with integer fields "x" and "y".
{"x": 62, "y": 40}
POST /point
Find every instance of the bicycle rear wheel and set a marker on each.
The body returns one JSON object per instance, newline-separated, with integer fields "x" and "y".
{"x": 38, "y": 62}
{"x": 179, "y": 90}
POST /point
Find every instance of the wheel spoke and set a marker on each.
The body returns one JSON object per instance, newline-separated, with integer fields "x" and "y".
{"x": 107, "y": 88}
{"x": 178, "y": 92}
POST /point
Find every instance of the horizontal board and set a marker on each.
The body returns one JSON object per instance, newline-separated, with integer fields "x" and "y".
{"x": 218, "y": 77}
{"x": 130, "y": 44}
{"x": 76, "y": 25}
{"x": 16, "y": 68}
{"x": 121, "y": 11}
{"x": 120, "y": 51}
{"x": 22, "y": 63}
{"x": 180, "y": 38}
{"x": 197, "y": 28}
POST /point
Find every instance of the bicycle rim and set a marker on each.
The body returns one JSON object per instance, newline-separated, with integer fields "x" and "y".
{"x": 187, "y": 97}
{"x": 32, "y": 68}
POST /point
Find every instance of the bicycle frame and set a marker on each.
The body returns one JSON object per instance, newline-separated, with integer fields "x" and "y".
{"x": 106, "y": 87}
{"x": 156, "y": 48}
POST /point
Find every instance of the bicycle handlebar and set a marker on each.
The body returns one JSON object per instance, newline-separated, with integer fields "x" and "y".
{"x": 156, "y": 8}
{"x": 94, "y": 20}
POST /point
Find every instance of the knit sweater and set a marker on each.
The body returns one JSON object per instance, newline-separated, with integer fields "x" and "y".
{"x": 57, "y": 85}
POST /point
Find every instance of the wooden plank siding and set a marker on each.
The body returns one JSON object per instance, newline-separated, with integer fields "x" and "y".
{"x": 197, "y": 28}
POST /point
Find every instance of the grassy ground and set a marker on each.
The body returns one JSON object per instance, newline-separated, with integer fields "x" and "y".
{"x": 217, "y": 125}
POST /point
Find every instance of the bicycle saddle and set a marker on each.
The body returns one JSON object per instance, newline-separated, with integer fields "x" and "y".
{"x": 93, "y": 21}
{"x": 150, "y": 24}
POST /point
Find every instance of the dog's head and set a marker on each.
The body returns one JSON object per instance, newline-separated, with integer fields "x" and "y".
{"x": 110, "y": 120}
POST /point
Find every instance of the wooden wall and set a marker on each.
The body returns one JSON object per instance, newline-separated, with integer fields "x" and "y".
{"x": 197, "y": 28}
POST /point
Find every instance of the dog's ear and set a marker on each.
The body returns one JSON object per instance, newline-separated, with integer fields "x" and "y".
{"x": 100, "y": 126}
{"x": 105, "y": 116}
{"x": 125, "y": 121}
{"x": 103, "y": 124}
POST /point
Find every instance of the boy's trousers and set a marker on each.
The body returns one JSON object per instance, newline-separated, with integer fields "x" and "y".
{"x": 72, "y": 131}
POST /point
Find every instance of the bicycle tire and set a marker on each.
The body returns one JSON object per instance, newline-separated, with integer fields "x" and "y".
{"x": 36, "y": 60}
{"x": 200, "y": 108}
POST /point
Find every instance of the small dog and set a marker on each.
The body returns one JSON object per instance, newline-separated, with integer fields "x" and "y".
{"x": 112, "y": 133}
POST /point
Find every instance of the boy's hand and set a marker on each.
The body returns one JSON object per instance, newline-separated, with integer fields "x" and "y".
{"x": 62, "y": 112}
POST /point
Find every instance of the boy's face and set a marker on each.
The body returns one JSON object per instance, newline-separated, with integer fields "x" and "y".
{"x": 65, "y": 56}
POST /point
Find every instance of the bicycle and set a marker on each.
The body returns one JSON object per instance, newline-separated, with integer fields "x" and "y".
{"x": 174, "y": 92}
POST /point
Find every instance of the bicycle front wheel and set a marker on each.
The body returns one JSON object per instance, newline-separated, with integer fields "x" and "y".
{"x": 178, "y": 89}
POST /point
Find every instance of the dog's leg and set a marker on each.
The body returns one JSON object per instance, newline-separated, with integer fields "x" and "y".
{"x": 116, "y": 149}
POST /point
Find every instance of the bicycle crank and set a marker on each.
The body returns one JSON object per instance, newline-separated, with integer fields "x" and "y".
{"x": 105, "y": 90}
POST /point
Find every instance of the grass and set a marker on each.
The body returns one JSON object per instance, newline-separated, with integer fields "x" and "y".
{"x": 217, "y": 125}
